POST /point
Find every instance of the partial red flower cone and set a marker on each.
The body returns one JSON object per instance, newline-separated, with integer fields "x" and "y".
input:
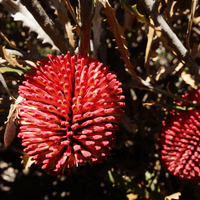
{"x": 70, "y": 113}
{"x": 179, "y": 140}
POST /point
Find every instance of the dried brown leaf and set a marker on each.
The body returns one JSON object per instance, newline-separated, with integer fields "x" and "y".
{"x": 27, "y": 63}
{"x": 119, "y": 35}
{"x": 174, "y": 196}
{"x": 11, "y": 59}
{"x": 171, "y": 12}
{"x": 189, "y": 80}
{"x": 62, "y": 13}
{"x": 196, "y": 20}
{"x": 132, "y": 196}
{"x": 70, "y": 34}
{"x": 26, "y": 161}
{"x": 150, "y": 36}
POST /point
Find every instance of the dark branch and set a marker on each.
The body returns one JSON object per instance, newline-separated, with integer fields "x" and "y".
{"x": 86, "y": 13}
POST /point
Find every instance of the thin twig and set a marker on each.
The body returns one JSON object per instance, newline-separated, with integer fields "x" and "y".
{"x": 8, "y": 41}
{"x": 161, "y": 91}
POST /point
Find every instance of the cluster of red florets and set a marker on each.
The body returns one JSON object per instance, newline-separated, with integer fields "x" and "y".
{"x": 180, "y": 138}
{"x": 70, "y": 111}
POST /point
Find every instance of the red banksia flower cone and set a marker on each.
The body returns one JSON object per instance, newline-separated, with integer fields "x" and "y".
{"x": 180, "y": 140}
{"x": 70, "y": 111}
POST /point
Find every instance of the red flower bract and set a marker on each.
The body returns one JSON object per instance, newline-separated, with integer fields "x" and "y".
{"x": 180, "y": 140}
{"x": 70, "y": 111}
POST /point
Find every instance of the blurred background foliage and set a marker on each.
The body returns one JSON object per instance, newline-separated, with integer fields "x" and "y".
{"x": 133, "y": 170}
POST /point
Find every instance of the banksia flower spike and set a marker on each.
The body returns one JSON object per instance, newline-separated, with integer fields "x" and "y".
{"x": 70, "y": 113}
{"x": 180, "y": 140}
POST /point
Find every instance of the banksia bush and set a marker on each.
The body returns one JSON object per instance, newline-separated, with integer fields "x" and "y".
{"x": 70, "y": 113}
{"x": 72, "y": 105}
{"x": 179, "y": 140}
